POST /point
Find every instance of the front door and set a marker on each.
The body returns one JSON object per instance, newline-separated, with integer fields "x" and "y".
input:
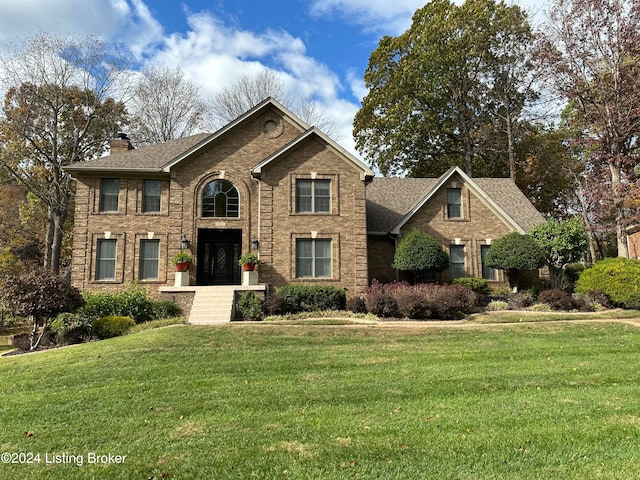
{"x": 218, "y": 254}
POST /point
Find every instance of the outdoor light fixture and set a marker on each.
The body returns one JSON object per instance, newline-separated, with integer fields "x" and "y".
{"x": 184, "y": 243}
{"x": 255, "y": 244}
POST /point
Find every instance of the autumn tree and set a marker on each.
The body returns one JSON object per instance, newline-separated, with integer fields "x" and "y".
{"x": 57, "y": 111}
{"x": 591, "y": 49}
{"x": 166, "y": 106}
{"x": 442, "y": 89}
{"x": 250, "y": 90}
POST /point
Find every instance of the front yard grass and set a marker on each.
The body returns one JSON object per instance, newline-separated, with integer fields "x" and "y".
{"x": 527, "y": 401}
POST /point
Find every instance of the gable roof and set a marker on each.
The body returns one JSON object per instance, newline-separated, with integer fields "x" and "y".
{"x": 161, "y": 158}
{"x": 391, "y": 202}
{"x": 313, "y": 132}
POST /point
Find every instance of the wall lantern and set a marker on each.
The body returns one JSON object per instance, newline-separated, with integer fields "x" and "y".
{"x": 255, "y": 244}
{"x": 184, "y": 243}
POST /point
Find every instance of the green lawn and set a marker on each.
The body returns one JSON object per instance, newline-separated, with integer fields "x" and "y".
{"x": 530, "y": 401}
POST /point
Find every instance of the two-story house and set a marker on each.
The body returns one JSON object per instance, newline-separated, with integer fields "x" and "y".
{"x": 268, "y": 183}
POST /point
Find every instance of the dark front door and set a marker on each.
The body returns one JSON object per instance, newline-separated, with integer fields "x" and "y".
{"x": 218, "y": 254}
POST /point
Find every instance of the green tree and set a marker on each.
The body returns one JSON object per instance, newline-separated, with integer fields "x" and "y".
{"x": 563, "y": 242}
{"x": 515, "y": 252}
{"x": 57, "y": 111}
{"x": 418, "y": 251}
{"x": 439, "y": 91}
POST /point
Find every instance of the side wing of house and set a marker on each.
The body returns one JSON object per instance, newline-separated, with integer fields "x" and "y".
{"x": 464, "y": 215}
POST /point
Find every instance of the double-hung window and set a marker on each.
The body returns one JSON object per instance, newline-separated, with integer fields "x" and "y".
{"x": 149, "y": 259}
{"x": 151, "y": 193}
{"x": 313, "y": 196}
{"x": 456, "y": 261}
{"x": 106, "y": 259}
{"x": 313, "y": 258}
{"x": 487, "y": 272}
{"x": 454, "y": 203}
{"x": 109, "y": 192}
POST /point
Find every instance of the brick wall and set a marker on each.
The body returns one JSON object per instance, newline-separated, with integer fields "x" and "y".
{"x": 266, "y": 210}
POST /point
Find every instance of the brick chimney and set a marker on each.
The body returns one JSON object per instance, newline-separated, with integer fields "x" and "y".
{"x": 119, "y": 144}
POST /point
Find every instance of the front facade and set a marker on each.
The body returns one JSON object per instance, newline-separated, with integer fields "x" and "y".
{"x": 266, "y": 183}
{"x": 269, "y": 184}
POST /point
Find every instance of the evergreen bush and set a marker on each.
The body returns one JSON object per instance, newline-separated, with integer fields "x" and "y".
{"x": 300, "y": 297}
{"x": 250, "y": 306}
{"x": 618, "y": 278}
{"x": 112, "y": 326}
{"x": 478, "y": 285}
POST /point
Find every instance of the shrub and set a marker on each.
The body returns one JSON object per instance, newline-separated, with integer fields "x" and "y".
{"x": 556, "y": 299}
{"x": 301, "y": 297}
{"x": 583, "y": 303}
{"x": 412, "y": 302}
{"x": 514, "y": 252}
{"x": 497, "y": 305}
{"x": 379, "y": 300}
{"x": 633, "y": 301}
{"x": 274, "y": 305}
{"x": 616, "y": 277}
{"x": 165, "y": 309}
{"x": 112, "y": 326}
{"x": 600, "y": 298}
{"x": 418, "y": 251}
{"x": 418, "y": 301}
{"x": 356, "y": 305}
{"x": 521, "y": 300}
{"x": 71, "y": 328}
{"x": 133, "y": 302}
{"x": 478, "y": 285}
{"x": 446, "y": 301}
{"x": 541, "y": 307}
{"x": 250, "y": 306}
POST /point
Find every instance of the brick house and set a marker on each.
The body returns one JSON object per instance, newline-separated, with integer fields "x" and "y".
{"x": 268, "y": 183}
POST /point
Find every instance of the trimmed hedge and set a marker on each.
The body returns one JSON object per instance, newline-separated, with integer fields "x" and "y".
{"x": 618, "y": 278}
{"x": 112, "y": 326}
{"x": 299, "y": 297}
{"x": 133, "y": 302}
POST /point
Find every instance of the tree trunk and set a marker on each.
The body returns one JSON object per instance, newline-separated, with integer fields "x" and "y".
{"x": 621, "y": 234}
{"x": 512, "y": 161}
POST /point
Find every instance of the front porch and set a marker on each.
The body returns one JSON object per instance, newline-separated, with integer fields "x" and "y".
{"x": 210, "y": 305}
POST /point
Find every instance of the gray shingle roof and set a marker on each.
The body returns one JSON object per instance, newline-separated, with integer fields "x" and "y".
{"x": 151, "y": 158}
{"x": 389, "y": 200}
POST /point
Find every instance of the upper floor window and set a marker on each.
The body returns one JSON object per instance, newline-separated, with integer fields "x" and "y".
{"x": 454, "y": 203}
{"x": 313, "y": 196}
{"x": 220, "y": 199}
{"x": 109, "y": 191}
{"x": 151, "y": 194}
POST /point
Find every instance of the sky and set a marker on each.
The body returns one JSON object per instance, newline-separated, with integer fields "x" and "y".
{"x": 319, "y": 48}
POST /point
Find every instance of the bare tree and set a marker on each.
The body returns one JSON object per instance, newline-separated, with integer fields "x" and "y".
{"x": 166, "y": 106}
{"x": 592, "y": 51}
{"x": 57, "y": 111}
{"x": 250, "y": 90}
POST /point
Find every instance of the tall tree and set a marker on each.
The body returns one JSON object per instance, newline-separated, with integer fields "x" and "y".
{"x": 166, "y": 106}
{"x": 57, "y": 111}
{"x": 440, "y": 89}
{"x": 592, "y": 52}
{"x": 250, "y": 90}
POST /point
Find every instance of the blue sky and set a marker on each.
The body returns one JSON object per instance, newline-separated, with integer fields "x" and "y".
{"x": 320, "y": 48}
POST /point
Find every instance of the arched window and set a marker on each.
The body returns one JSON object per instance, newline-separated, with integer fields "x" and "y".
{"x": 220, "y": 199}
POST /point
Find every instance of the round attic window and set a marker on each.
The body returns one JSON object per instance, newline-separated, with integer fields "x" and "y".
{"x": 272, "y": 126}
